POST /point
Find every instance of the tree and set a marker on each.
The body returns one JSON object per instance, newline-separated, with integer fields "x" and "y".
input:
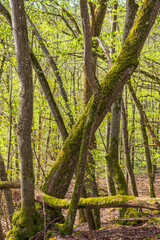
{"x": 28, "y": 212}
{"x": 77, "y": 144}
{"x": 111, "y": 86}
{"x": 114, "y": 80}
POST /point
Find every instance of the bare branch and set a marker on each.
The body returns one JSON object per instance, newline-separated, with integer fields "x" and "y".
{"x": 105, "y": 51}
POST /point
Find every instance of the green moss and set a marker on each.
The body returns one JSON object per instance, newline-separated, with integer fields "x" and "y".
{"x": 154, "y": 221}
{"x": 53, "y": 201}
{"x": 129, "y": 213}
{"x": 105, "y": 200}
{"x": 25, "y": 225}
{"x": 49, "y": 234}
{"x": 63, "y": 228}
{"x": 38, "y": 205}
{"x": 156, "y": 212}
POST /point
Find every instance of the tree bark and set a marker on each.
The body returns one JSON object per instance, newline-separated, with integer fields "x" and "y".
{"x": 1, "y": 232}
{"x": 27, "y": 219}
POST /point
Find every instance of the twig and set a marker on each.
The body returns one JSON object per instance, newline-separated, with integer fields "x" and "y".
{"x": 44, "y": 228}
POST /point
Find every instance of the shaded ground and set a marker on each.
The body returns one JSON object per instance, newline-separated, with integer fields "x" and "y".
{"x": 118, "y": 232}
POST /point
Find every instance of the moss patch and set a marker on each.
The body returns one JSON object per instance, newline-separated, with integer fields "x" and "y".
{"x": 129, "y": 213}
{"x": 63, "y": 228}
{"x": 49, "y": 234}
{"x": 25, "y": 225}
{"x": 154, "y": 221}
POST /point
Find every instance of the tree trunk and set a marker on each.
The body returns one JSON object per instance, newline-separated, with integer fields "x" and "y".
{"x": 109, "y": 177}
{"x": 101, "y": 202}
{"x": 146, "y": 144}
{"x": 28, "y": 212}
{"x": 49, "y": 96}
{"x": 26, "y": 102}
{"x": 127, "y": 152}
{"x": 131, "y": 10}
{"x": 67, "y": 227}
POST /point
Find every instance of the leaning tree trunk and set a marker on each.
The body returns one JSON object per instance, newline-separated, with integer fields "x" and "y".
{"x": 26, "y": 227}
{"x": 112, "y": 84}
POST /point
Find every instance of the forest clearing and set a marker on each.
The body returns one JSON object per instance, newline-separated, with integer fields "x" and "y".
{"x": 80, "y": 119}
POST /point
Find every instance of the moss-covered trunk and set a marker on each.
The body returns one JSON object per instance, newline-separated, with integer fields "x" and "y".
{"x": 131, "y": 9}
{"x": 67, "y": 227}
{"x": 112, "y": 84}
{"x": 127, "y": 152}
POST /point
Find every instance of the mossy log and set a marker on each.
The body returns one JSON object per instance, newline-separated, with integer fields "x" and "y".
{"x": 117, "y": 201}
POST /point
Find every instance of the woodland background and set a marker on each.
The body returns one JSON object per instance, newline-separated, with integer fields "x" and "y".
{"x": 56, "y": 26}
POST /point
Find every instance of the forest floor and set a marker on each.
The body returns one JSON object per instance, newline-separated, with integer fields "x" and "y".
{"x": 109, "y": 227}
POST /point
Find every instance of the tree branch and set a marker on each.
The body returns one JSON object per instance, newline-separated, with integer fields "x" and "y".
{"x": 49, "y": 96}
{"x": 105, "y": 51}
{"x": 55, "y": 69}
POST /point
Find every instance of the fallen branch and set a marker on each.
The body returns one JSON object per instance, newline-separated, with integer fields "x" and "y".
{"x": 9, "y": 185}
{"x": 132, "y": 219}
{"x": 101, "y": 202}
